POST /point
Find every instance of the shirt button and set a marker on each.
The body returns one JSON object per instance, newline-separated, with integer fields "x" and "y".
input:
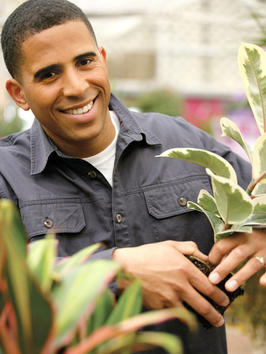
{"x": 182, "y": 201}
{"x": 118, "y": 218}
{"x": 48, "y": 223}
{"x": 92, "y": 174}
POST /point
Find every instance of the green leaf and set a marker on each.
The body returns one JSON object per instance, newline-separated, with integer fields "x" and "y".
{"x": 233, "y": 203}
{"x": 252, "y": 65}
{"x": 231, "y": 130}
{"x": 217, "y": 223}
{"x": 76, "y": 296}
{"x": 41, "y": 259}
{"x": 78, "y": 258}
{"x": 207, "y": 202}
{"x": 214, "y": 162}
{"x": 129, "y": 304}
{"x": 259, "y": 160}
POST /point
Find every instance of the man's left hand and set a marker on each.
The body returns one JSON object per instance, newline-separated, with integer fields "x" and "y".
{"x": 230, "y": 252}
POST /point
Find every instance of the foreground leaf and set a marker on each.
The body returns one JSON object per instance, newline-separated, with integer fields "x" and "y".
{"x": 252, "y": 65}
{"x": 217, "y": 164}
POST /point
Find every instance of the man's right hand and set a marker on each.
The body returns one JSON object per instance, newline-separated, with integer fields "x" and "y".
{"x": 169, "y": 278}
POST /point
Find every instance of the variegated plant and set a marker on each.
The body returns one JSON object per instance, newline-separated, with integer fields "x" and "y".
{"x": 231, "y": 208}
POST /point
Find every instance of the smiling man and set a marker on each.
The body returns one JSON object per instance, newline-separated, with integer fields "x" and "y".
{"x": 87, "y": 170}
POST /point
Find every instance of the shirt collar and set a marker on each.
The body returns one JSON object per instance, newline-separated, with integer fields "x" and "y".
{"x": 42, "y": 146}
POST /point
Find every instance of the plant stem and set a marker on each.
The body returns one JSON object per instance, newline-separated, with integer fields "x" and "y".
{"x": 253, "y": 184}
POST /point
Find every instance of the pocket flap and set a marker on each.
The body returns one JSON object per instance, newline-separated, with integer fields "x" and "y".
{"x": 55, "y": 217}
{"x": 166, "y": 200}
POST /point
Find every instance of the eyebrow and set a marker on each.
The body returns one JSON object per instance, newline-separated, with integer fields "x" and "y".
{"x": 58, "y": 67}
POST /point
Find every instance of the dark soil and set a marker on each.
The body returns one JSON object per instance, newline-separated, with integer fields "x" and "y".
{"x": 206, "y": 268}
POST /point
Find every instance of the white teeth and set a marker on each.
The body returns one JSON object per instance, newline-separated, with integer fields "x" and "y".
{"x": 82, "y": 110}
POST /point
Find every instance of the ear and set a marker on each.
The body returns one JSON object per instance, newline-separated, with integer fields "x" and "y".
{"x": 103, "y": 53}
{"x": 16, "y": 91}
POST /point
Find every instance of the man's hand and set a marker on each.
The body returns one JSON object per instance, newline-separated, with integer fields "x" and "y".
{"x": 169, "y": 278}
{"x": 232, "y": 251}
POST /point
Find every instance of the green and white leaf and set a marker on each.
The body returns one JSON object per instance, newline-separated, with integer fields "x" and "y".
{"x": 207, "y": 202}
{"x": 252, "y": 65}
{"x": 217, "y": 223}
{"x": 233, "y": 203}
{"x": 217, "y": 164}
{"x": 231, "y": 130}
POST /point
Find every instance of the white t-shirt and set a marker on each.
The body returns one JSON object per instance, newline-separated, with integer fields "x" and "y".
{"x": 104, "y": 160}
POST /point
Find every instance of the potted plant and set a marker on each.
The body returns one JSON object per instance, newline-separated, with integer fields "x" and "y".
{"x": 231, "y": 208}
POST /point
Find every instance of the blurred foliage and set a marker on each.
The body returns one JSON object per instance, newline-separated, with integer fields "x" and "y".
{"x": 250, "y": 309}
{"x": 161, "y": 101}
{"x": 12, "y": 125}
{"x": 260, "y": 19}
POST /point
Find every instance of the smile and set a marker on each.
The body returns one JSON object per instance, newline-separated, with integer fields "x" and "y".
{"x": 80, "y": 110}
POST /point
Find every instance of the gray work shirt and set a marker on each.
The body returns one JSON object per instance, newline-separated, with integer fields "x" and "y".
{"x": 146, "y": 204}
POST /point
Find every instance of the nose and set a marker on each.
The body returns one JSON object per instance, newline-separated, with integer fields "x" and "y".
{"x": 74, "y": 83}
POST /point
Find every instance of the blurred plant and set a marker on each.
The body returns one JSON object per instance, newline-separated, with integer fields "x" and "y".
{"x": 161, "y": 101}
{"x": 11, "y": 124}
{"x": 66, "y": 307}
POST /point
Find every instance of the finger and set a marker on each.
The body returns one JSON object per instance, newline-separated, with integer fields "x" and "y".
{"x": 200, "y": 282}
{"x": 223, "y": 248}
{"x": 229, "y": 263}
{"x": 203, "y": 307}
{"x": 190, "y": 248}
{"x": 249, "y": 269}
{"x": 263, "y": 280}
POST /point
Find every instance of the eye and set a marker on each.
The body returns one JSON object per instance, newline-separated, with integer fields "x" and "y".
{"x": 48, "y": 76}
{"x": 84, "y": 62}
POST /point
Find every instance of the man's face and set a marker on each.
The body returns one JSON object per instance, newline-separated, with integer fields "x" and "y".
{"x": 64, "y": 81}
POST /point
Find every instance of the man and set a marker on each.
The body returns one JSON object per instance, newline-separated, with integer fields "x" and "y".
{"x": 87, "y": 169}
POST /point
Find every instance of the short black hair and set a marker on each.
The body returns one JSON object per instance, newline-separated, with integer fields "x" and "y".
{"x": 31, "y": 17}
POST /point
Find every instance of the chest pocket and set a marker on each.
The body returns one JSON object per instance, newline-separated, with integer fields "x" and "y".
{"x": 167, "y": 206}
{"x": 60, "y": 217}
